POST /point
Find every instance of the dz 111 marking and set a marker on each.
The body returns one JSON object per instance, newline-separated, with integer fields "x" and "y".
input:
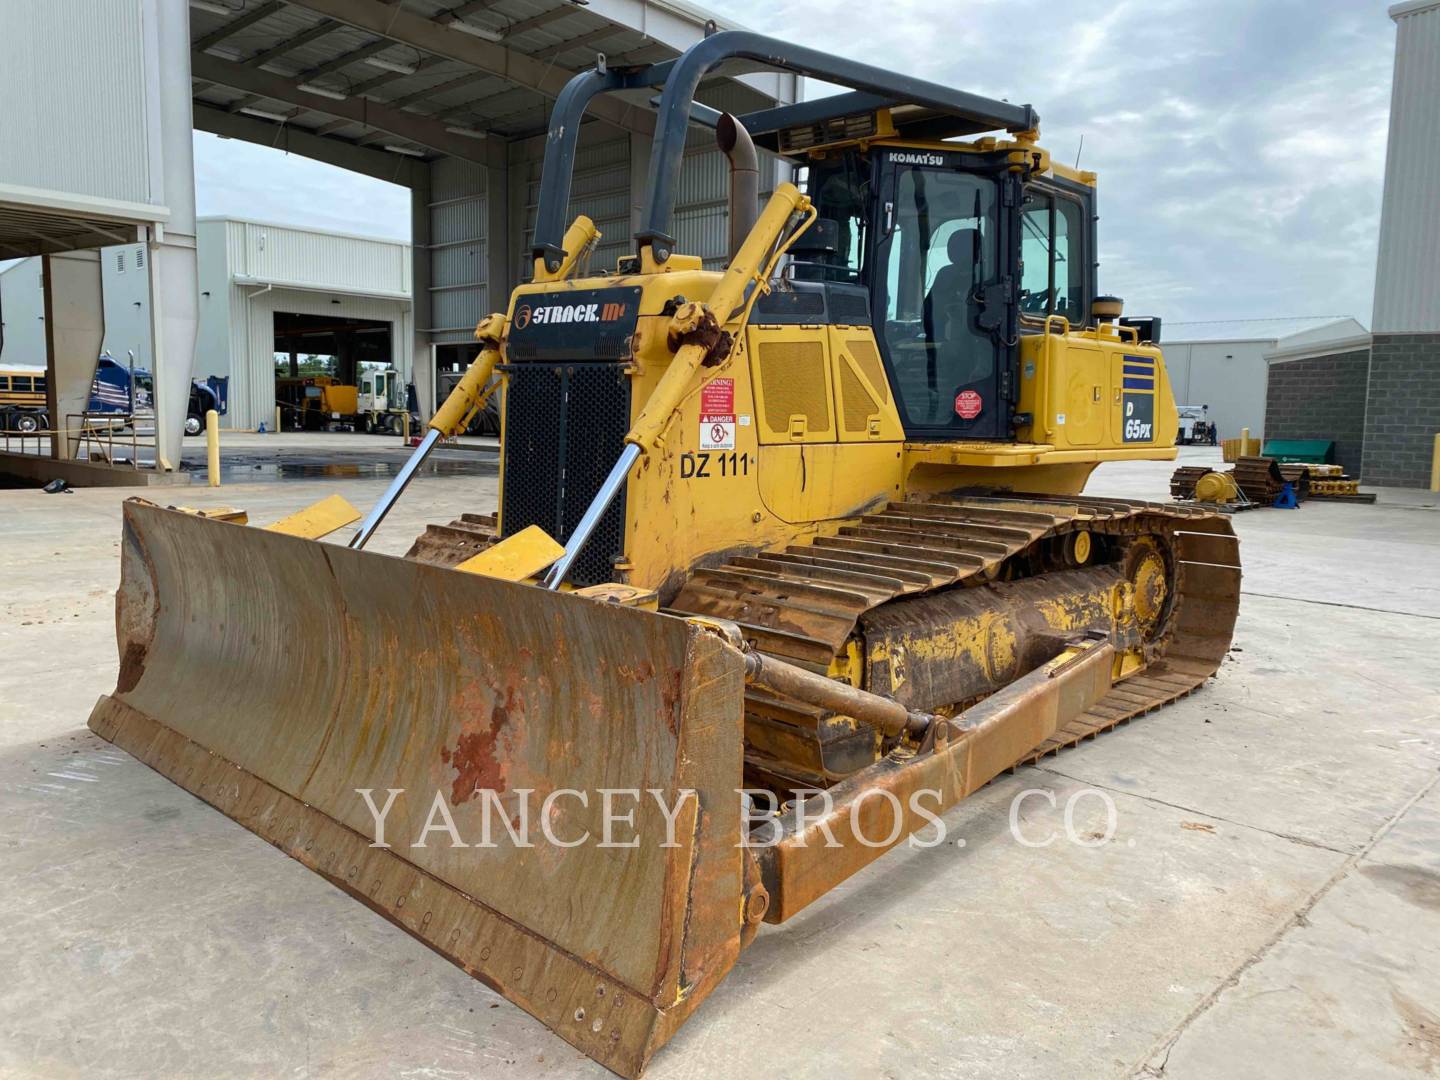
{"x": 707, "y": 465}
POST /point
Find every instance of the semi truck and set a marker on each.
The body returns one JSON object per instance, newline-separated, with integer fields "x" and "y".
{"x": 119, "y": 393}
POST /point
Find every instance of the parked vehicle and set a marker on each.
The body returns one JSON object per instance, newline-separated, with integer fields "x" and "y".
{"x": 212, "y": 392}
{"x": 1196, "y": 428}
{"x": 119, "y": 394}
{"x": 381, "y": 401}
{"x": 22, "y": 399}
{"x": 112, "y": 392}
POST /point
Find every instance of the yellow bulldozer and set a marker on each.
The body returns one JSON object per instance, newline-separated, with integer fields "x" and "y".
{"x": 790, "y": 557}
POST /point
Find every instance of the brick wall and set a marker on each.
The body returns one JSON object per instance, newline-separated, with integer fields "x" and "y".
{"x": 1320, "y": 397}
{"x": 1404, "y": 414}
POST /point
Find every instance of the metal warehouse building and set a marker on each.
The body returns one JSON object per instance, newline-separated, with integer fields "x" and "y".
{"x": 1222, "y": 364}
{"x": 450, "y": 100}
{"x": 453, "y": 102}
{"x": 1377, "y": 396}
{"x": 268, "y": 289}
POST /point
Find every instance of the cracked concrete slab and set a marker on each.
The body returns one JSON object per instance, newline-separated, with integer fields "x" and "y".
{"x": 145, "y": 934}
{"x": 1354, "y": 985}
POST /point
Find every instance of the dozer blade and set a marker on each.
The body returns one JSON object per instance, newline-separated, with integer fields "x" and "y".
{"x": 276, "y": 678}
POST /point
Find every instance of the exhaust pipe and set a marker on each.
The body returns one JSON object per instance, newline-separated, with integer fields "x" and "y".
{"x": 734, "y": 142}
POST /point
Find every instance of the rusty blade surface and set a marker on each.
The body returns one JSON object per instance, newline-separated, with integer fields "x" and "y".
{"x": 273, "y": 677}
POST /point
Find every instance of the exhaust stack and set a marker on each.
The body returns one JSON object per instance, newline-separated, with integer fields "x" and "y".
{"x": 735, "y": 143}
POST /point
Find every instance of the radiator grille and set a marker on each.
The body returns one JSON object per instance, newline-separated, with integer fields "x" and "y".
{"x": 565, "y": 425}
{"x": 858, "y": 404}
{"x": 792, "y": 375}
{"x": 867, "y": 356}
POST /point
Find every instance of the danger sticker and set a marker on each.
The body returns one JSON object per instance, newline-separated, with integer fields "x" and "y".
{"x": 717, "y": 415}
{"x": 717, "y": 433}
{"x": 968, "y": 404}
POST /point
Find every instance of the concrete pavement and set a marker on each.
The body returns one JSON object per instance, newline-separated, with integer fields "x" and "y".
{"x": 1267, "y": 906}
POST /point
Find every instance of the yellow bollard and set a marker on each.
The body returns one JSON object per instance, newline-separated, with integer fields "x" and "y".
{"x": 1435, "y": 466}
{"x": 405, "y": 428}
{"x": 212, "y": 446}
{"x": 1244, "y": 442}
{"x": 277, "y": 419}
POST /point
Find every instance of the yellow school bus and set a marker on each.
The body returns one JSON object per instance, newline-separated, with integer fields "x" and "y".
{"x": 22, "y": 398}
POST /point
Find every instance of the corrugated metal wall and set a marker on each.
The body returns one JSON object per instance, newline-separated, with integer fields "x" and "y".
{"x": 600, "y": 189}
{"x": 320, "y": 260}
{"x": 461, "y": 259}
{"x": 22, "y": 309}
{"x": 238, "y": 317}
{"x": 73, "y": 79}
{"x": 459, "y": 249}
{"x": 1407, "y": 283}
{"x": 702, "y": 218}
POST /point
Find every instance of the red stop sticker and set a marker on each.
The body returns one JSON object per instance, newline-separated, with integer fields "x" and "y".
{"x": 968, "y": 404}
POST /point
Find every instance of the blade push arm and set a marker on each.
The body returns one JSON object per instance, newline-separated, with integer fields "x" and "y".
{"x": 453, "y": 417}
{"x": 472, "y": 391}
{"x": 695, "y": 331}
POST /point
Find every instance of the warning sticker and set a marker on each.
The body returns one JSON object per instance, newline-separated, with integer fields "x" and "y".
{"x": 717, "y": 397}
{"x": 968, "y": 404}
{"x": 717, "y": 415}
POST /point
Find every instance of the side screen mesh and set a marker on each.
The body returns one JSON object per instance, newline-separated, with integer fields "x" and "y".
{"x": 598, "y": 415}
{"x": 858, "y": 405}
{"x": 868, "y": 357}
{"x": 792, "y": 375}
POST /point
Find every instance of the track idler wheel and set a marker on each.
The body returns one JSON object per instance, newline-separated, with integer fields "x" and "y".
{"x": 1148, "y": 569}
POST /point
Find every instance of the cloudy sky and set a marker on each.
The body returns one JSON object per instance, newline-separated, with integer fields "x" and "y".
{"x": 1240, "y": 143}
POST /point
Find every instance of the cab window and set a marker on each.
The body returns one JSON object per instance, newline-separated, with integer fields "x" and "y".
{"x": 1053, "y": 256}
{"x": 840, "y": 189}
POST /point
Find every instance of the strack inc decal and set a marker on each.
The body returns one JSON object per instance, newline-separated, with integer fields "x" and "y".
{"x": 551, "y": 314}
{"x": 574, "y": 325}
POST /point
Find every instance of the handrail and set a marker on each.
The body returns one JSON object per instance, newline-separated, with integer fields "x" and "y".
{"x": 677, "y": 110}
{"x": 683, "y": 80}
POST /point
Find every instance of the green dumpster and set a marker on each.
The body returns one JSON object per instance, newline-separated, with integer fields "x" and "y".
{"x": 1312, "y": 451}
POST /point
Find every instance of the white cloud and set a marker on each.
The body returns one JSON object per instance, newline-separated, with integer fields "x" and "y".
{"x": 1240, "y": 144}
{"x": 240, "y": 179}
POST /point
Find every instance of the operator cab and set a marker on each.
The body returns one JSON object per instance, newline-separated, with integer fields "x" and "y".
{"x": 942, "y": 225}
{"x": 959, "y": 254}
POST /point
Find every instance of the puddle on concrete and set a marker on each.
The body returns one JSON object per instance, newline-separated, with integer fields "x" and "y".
{"x": 243, "y": 470}
{"x": 344, "y": 465}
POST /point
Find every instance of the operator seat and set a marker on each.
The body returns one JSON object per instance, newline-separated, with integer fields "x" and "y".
{"x": 949, "y": 296}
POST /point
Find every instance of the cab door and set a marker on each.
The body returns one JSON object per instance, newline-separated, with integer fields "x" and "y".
{"x": 943, "y": 290}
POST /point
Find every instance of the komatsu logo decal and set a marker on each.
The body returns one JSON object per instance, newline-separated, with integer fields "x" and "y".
{"x": 917, "y": 159}
{"x": 568, "y": 313}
